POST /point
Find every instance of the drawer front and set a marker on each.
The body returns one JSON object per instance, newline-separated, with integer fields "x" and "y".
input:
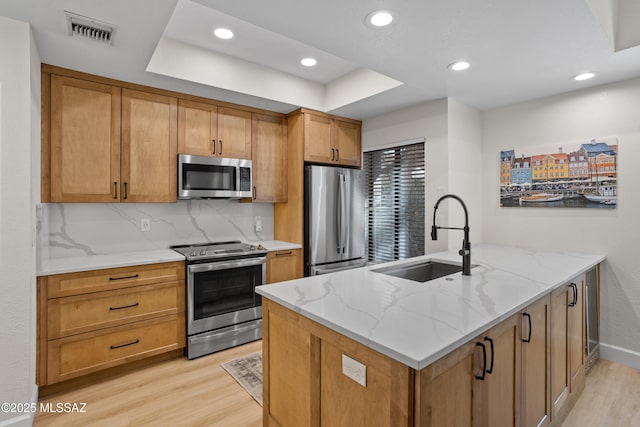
{"x": 61, "y": 285}
{"x": 81, "y": 354}
{"x": 83, "y": 313}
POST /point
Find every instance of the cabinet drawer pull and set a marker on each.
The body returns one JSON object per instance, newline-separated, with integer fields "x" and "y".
{"x": 125, "y": 277}
{"x": 333, "y": 152}
{"x": 255, "y": 193}
{"x": 284, "y": 253}
{"x": 124, "y": 306}
{"x": 115, "y": 189}
{"x": 125, "y": 191}
{"x": 337, "y": 154}
{"x": 574, "y": 300}
{"x": 528, "y": 339}
{"x": 113, "y": 347}
{"x": 484, "y": 362}
{"x": 490, "y": 370}
{"x": 220, "y": 141}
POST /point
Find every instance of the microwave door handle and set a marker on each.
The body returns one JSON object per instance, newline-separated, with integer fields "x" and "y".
{"x": 213, "y": 266}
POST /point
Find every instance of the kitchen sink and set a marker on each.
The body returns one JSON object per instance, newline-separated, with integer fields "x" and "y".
{"x": 422, "y": 271}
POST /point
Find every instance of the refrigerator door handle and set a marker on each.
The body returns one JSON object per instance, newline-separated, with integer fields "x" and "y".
{"x": 343, "y": 216}
{"x": 339, "y": 213}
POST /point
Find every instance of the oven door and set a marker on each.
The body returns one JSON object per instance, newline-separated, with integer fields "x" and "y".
{"x": 223, "y": 293}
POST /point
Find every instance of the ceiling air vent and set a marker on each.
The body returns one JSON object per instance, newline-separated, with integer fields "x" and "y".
{"x": 82, "y": 26}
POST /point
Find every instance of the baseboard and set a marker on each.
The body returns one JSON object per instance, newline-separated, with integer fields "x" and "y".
{"x": 23, "y": 420}
{"x": 620, "y": 355}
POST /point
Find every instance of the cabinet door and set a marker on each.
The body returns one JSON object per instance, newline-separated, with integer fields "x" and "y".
{"x": 535, "y": 390}
{"x": 85, "y": 141}
{"x": 269, "y": 157}
{"x": 318, "y": 139}
{"x": 234, "y": 133}
{"x": 283, "y": 265}
{"x": 576, "y": 335}
{"x": 559, "y": 349}
{"x": 496, "y": 398}
{"x": 197, "y": 128}
{"x": 347, "y": 143}
{"x": 149, "y": 147}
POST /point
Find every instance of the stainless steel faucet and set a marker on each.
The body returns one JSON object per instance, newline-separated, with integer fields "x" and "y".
{"x": 465, "y": 252}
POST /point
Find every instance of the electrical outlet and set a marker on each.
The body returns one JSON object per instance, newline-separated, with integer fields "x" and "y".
{"x": 258, "y": 221}
{"x": 145, "y": 224}
{"x": 354, "y": 370}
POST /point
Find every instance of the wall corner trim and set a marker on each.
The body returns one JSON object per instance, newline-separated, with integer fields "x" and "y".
{"x": 620, "y": 355}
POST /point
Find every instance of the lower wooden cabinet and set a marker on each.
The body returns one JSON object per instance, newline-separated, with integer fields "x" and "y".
{"x": 94, "y": 320}
{"x": 567, "y": 346}
{"x": 284, "y": 265}
{"x": 475, "y": 385}
{"x": 535, "y": 391}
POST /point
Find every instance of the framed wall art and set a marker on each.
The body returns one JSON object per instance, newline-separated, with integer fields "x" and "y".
{"x": 567, "y": 175}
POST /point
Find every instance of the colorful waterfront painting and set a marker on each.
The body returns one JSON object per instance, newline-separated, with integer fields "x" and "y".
{"x": 579, "y": 174}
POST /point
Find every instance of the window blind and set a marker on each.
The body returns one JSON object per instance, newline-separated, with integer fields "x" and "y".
{"x": 394, "y": 179}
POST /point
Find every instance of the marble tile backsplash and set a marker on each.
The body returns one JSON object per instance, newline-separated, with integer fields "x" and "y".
{"x": 76, "y": 229}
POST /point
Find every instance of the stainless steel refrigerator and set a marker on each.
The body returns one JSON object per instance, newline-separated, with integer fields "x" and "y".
{"x": 334, "y": 219}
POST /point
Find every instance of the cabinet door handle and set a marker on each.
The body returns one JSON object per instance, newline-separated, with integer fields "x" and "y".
{"x": 332, "y": 153}
{"x": 574, "y": 288}
{"x": 113, "y": 347}
{"x": 255, "y": 193}
{"x": 284, "y": 253}
{"x": 115, "y": 189}
{"x": 484, "y": 362}
{"x": 337, "y": 155}
{"x": 528, "y": 339}
{"x": 125, "y": 277}
{"x": 126, "y": 193}
{"x": 124, "y": 306}
{"x": 220, "y": 141}
{"x": 490, "y": 370}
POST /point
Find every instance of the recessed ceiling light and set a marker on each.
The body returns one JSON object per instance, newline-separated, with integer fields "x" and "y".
{"x": 308, "y": 62}
{"x": 583, "y": 76}
{"x": 459, "y": 66}
{"x": 223, "y": 33}
{"x": 379, "y": 18}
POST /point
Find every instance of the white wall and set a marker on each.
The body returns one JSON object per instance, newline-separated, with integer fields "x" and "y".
{"x": 452, "y": 133}
{"x": 610, "y": 110}
{"x": 428, "y": 120}
{"x": 19, "y": 133}
{"x": 464, "y": 168}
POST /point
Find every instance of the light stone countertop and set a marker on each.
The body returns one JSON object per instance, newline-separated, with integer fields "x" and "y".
{"x": 278, "y": 245}
{"x": 418, "y": 323}
{"x": 99, "y": 262}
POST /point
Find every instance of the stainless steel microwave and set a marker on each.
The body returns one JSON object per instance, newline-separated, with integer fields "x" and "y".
{"x": 201, "y": 177}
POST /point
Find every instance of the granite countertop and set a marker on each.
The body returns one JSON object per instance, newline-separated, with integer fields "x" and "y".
{"x": 98, "y": 262}
{"x": 418, "y": 323}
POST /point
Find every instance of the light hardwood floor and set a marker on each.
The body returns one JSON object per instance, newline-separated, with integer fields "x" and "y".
{"x": 611, "y": 398}
{"x": 177, "y": 392}
{"x": 199, "y": 392}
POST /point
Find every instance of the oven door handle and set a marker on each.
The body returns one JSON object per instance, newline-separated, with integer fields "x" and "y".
{"x": 226, "y": 265}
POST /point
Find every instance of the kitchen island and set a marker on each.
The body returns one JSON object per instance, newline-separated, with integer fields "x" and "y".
{"x": 360, "y": 347}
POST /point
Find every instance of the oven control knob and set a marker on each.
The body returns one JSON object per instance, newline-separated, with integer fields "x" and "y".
{"x": 203, "y": 252}
{"x": 194, "y": 253}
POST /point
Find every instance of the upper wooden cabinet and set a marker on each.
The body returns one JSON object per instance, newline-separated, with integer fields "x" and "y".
{"x": 149, "y": 147}
{"x": 269, "y": 156}
{"x": 85, "y": 141}
{"x": 107, "y": 144}
{"x": 211, "y": 130}
{"x": 331, "y": 140}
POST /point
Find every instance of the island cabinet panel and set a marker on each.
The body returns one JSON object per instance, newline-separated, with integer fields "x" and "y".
{"x": 85, "y": 141}
{"x": 304, "y": 384}
{"x": 269, "y": 158}
{"x": 567, "y": 347}
{"x": 149, "y": 147}
{"x": 475, "y": 385}
{"x": 535, "y": 390}
{"x": 284, "y": 265}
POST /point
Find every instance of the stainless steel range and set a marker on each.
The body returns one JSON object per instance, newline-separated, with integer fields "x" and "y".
{"x": 223, "y": 309}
